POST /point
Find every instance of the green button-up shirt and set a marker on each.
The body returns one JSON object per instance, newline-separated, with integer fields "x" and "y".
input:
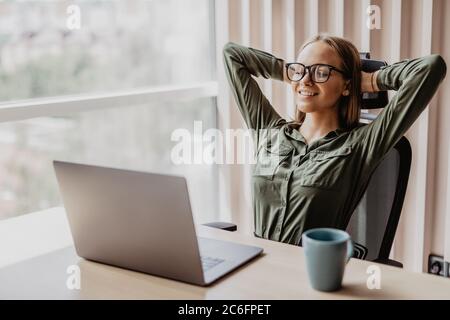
{"x": 297, "y": 186}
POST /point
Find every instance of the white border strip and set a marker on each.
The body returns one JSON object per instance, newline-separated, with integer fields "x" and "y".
{"x": 395, "y": 55}
{"x": 422, "y": 153}
{"x": 312, "y": 11}
{"x": 267, "y": 42}
{"x": 447, "y": 219}
{"x": 245, "y": 22}
{"x": 289, "y": 33}
{"x": 365, "y": 32}
{"x": 338, "y": 9}
{"x": 396, "y": 30}
{"x": 222, "y": 34}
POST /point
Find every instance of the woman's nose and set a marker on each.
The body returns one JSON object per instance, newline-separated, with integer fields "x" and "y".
{"x": 307, "y": 79}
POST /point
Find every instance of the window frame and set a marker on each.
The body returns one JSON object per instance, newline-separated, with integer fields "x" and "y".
{"x": 70, "y": 104}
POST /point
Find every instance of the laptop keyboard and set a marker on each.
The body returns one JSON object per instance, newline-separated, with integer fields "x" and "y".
{"x": 209, "y": 262}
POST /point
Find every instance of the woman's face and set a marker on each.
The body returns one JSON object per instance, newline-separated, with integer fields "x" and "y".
{"x": 327, "y": 94}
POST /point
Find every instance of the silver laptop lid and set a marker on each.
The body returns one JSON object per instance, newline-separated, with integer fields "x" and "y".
{"x": 136, "y": 220}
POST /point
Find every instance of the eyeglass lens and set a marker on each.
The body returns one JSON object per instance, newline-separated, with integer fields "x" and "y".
{"x": 318, "y": 73}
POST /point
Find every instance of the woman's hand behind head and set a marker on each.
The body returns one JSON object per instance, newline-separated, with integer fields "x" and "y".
{"x": 369, "y": 82}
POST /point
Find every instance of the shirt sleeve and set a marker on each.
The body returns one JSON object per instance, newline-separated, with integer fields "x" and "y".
{"x": 241, "y": 63}
{"x": 416, "y": 81}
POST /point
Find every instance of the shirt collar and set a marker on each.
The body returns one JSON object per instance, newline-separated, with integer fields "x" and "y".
{"x": 292, "y": 131}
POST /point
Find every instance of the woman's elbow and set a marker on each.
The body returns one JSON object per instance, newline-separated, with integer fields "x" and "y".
{"x": 437, "y": 65}
{"x": 228, "y": 49}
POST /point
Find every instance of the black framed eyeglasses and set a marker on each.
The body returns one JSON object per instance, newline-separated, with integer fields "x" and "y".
{"x": 319, "y": 73}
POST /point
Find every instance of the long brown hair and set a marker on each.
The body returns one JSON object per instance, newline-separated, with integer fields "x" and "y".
{"x": 349, "y": 106}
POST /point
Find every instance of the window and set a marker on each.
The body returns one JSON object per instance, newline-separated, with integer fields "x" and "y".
{"x": 120, "y": 45}
{"x": 135, "y": 137}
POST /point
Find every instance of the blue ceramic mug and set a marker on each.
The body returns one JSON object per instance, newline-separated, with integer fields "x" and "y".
{"x": 327, "y": 252}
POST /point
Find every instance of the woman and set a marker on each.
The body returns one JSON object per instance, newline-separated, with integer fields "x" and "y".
{"x": 313, "y": 171}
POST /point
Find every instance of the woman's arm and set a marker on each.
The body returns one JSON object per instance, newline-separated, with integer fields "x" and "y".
{"x": 369, "y": 82}
{"x": 241, "y": 63}
{"x": 416, "y": 81}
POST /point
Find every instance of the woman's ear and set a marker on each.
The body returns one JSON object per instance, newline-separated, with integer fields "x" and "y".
{"x": 346, "y": 92}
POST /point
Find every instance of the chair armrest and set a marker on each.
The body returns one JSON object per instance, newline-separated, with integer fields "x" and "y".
{"x": 389, "y": 262}
{"x": 222, "y": 225}
{"x": 359, "y": 251}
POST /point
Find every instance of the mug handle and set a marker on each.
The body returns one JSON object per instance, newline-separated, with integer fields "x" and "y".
{"x": 349, "y": 249}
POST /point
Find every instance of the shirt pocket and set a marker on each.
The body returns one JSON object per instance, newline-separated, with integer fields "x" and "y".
{"x": 269, "y": 159}
{"x": 325, "y": 169}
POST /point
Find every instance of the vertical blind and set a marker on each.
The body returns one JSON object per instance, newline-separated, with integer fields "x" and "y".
{"x": 407, "y": 29}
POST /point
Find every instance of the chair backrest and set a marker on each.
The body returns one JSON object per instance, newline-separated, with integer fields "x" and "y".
{"x": 374, "y": 222}
{"x": 375, "y": 100}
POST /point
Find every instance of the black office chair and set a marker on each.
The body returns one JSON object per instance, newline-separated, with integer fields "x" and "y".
{"x": 374, "y": 222}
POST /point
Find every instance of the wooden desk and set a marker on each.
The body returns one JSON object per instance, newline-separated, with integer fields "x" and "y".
{"x": 279, "y": 274}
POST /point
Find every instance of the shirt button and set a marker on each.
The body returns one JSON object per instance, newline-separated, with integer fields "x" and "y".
{"x": 283, "y": 203}
{"x": 285, "y": 164}
{"x": 277, "y": 229}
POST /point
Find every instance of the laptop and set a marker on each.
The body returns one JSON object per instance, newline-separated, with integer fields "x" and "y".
{"x": 142, "y": 221}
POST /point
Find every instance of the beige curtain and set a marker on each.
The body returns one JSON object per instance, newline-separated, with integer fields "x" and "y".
{"x": 408, "y": 28}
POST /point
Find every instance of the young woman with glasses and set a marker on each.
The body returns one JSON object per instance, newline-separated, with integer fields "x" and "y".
{"x": 311, "y": 172}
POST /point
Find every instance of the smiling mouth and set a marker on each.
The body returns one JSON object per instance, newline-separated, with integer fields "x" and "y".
{"x": 307, "y": 93}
